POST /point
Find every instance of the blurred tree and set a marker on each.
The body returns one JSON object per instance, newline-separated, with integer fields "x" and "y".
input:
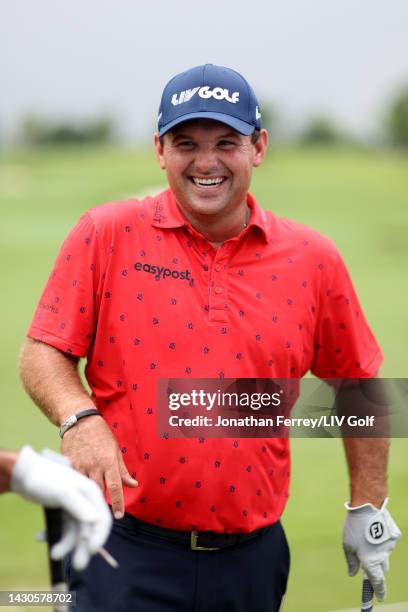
{"x": 397, "y": 123}
{"x": 269, "y": 117}
{"x": 31, "y": 130}
{"x": 101, "y": 130}
{"x": 63, "y": 134}
{"x": 35, "y": 131}
{"x": 321, "y": 130}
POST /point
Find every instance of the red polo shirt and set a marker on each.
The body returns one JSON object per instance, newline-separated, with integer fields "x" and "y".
{"x": 143, "y": 295}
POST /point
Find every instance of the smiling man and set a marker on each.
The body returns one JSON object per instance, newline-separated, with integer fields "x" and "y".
{"x": 198, "y": 281}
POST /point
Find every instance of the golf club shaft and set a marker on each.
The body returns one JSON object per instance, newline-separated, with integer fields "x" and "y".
{"x": 53, "y": 521}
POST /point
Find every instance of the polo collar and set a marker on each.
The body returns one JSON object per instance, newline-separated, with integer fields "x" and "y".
{"x": 166, "y": 213}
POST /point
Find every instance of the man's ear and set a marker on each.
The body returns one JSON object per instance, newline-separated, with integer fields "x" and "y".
{"x": 260, "y": 146}
{"x": 159, "y": 151}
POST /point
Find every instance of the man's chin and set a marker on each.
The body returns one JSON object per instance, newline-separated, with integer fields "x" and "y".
{"x": 206, "y": 206}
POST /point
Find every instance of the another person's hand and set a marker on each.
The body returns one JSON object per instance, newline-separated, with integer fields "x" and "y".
{"x": 369, "y": 536}
{"x": 86, "y": 517}
{"x": 94, "y": 451}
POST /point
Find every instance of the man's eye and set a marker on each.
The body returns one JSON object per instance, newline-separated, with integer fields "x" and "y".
{"x": 185, "y": 144}
{"x": 226, "y": 143}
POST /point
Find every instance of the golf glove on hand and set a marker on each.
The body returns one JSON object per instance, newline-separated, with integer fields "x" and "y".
{"x": 369, "y": 536}
{"x": 86, "y": 517}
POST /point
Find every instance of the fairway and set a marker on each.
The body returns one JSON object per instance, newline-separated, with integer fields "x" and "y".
{"x": 357, "y": 198}
{"x": 398, "y": 607}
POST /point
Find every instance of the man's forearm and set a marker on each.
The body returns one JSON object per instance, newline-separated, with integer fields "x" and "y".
{"x": 367, "y": 460}
{"x": 51, "y": 379}
{"x": 7, "y": 463}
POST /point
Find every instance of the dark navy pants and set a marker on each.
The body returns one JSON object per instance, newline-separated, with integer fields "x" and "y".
{"x": 159, "y": 575}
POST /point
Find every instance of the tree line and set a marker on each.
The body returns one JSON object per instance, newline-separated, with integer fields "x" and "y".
{"x": 36, "y": 131}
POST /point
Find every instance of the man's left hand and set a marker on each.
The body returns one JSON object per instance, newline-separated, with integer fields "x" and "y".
{"x": 369, "y": 536}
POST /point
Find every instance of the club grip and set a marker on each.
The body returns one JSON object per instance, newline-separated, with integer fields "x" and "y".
{"x": 53, "y": 522}
{"x": 367, "y": 596}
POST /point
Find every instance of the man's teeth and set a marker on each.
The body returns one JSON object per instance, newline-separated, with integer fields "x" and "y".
{"x": 207, "y": 181}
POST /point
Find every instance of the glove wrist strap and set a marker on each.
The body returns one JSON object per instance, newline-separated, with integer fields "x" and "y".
{"x": 367, "y": 505}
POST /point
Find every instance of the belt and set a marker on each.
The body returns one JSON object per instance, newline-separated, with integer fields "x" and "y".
{"x": 197, "y": 540}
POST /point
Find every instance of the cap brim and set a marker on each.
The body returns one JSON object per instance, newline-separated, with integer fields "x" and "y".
{"x": 240, "y": 126}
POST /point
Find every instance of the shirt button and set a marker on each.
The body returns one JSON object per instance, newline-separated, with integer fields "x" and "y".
{"x": 218, "y": 290}
{"x": 218, "y": 267}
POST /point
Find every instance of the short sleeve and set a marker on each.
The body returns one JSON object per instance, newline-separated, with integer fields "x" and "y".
{"x": 66, "y": 314}
{"x": 345, "y": 346}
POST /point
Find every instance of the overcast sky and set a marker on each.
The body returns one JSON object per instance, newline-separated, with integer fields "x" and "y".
{"x": 81, "y": 57}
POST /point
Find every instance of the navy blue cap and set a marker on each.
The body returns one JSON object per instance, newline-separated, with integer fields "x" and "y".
{"x": 209, "y": 92}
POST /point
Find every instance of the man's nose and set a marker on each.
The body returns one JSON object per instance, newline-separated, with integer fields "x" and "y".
{"x": 206, "y": 161}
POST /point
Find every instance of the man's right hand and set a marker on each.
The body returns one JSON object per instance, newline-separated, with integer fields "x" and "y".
{"x": 94, "y": 451}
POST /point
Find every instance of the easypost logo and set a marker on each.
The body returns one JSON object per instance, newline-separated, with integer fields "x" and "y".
{"x": 160, "y": 272}
{"x": 218, "y": 93}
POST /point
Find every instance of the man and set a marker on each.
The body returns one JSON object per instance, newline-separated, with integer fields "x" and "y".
{"x": 198, "y": 282}
{"x": 86, "y": 518}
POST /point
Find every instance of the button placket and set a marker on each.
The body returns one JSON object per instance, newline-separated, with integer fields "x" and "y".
{"x": 218, "y": 290}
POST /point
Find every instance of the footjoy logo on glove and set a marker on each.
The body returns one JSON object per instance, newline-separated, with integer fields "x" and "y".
{"x": 376, "y": 530}
{"x": 218, "y": 93}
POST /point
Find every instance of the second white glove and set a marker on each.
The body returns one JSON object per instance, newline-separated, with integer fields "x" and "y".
{"x": 369, "y": 536}
{"x": 86, "y": 518}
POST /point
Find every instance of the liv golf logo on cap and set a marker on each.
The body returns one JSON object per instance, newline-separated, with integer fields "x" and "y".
{"x": 205, "y": 92}
{"x": 209, "y": 92}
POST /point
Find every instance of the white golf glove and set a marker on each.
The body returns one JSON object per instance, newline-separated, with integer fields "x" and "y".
{"x": 369, "y": 536}
{"x": 86, "y": 517}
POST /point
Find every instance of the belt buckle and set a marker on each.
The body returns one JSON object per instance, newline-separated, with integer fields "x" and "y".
{"x": 194, "y": 540}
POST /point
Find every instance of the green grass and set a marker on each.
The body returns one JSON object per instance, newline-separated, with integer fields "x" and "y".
{"x": 357, "y": 198}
